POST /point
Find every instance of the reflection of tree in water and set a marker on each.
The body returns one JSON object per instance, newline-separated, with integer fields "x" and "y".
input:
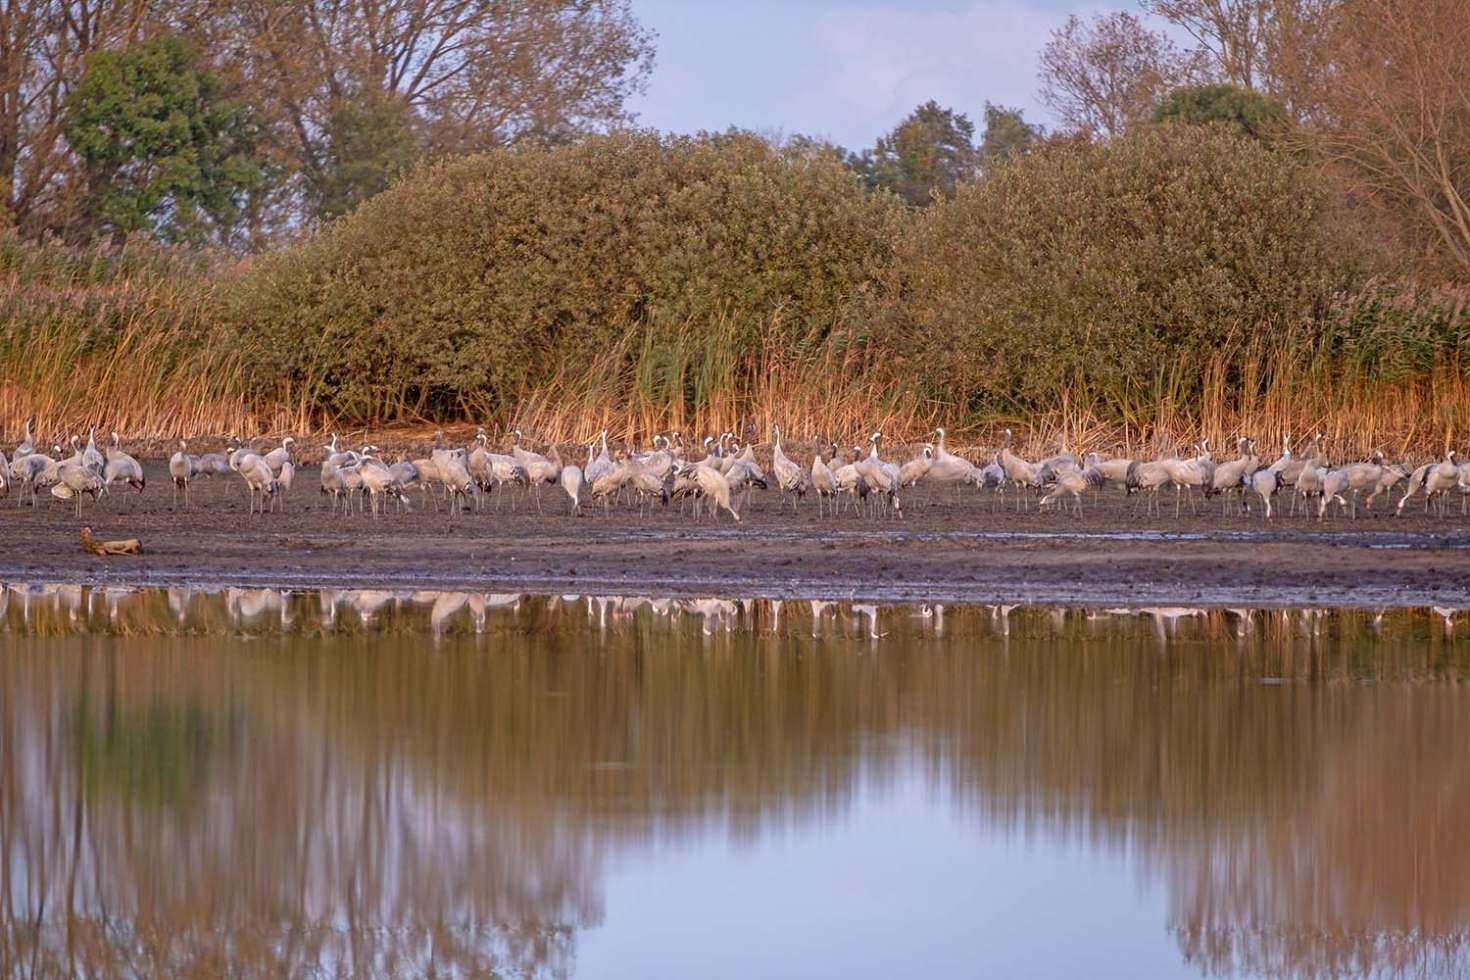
{"x": 398, "y": 802}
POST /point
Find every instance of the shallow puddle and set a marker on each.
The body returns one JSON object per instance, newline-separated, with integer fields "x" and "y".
{"x": 250, "y": 782}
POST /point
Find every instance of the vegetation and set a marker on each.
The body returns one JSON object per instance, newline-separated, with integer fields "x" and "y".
{"x": 122, "y": 335}
{"x": 668, "y": 273}
{"x": 321, "y": 79}
{"x": 162, "y": 150}
{"x": 1237, "y": 235}
{"x": 1110, "y": 272}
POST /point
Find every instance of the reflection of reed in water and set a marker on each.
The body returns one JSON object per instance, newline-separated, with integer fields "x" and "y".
{"x": 1291, "y": 778}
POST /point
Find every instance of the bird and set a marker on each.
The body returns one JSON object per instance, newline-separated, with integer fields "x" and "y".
{"x": 1362, "y": 476}
{"x": 1265, "y": 483}
{"x": 493, "y": 471}
{"x": 182, "y": 468}
{"x": 1434, "y": 479}
{"x": 822, "y": 480}
{"x": 537, "y": 468}
{"x": 880, "y": 474}
{"x": 74, "y": 481}
{"x": 333, "y": 481}
{"x": 91, "y": 458}
{"x": 601, "y": 465}
{"x": 379, "y": 483}
{"x": 910, "y": 473}
{"x": 713, "y": 487}
{"x": 1073, "y": 482}
{"x": 1021, "y": 473}
{"x": 284, "y": 479}
{"x": 1152, "y": 476}
{"x": 790, "y": 478}
{"x": 1231, "y": 475}
{"x": 280, "y": 456}
{"x": 454, "y": 474}
{"x": 1196, "y": 472}
{"x": 258, "y": 478}
{"x": 1334, "y": 482}
{"x": 27, "y": 444}
{"x": 945, "y": 467}
{"x": 31, "y": 471}
{"x": 121, "y": 468}
{"x": 213, "y": 464}
{"x": 572, "y": 482}
{"x": 1119, "y": 471}
{"x": 849, "y": 479}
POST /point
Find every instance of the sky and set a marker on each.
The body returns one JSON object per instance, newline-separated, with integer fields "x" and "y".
{"x": 846, "y": 70}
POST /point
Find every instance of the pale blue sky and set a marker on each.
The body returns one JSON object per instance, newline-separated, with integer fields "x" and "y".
{"x": 843, "y": 69}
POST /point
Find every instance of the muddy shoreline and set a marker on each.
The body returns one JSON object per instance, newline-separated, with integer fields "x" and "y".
{"x": 947, "y": 549}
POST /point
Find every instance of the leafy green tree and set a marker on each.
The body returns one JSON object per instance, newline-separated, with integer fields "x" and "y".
{"x": 1007, "y": 134}
{"x": 924, "y": 156}
{"x": 163, "y": 149}
{"x": 368, "y": 143}
{"x": 1241, "y": 110}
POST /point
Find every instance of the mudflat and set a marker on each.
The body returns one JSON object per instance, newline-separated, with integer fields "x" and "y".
{"x": 949, "y": 547}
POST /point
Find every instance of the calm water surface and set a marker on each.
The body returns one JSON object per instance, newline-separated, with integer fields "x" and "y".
{"x": 257, "y": 783}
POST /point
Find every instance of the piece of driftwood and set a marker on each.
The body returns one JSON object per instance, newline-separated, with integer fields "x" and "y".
{"x": 130, "y": 546}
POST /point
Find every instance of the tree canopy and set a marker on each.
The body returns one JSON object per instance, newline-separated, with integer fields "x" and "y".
{"x": 162, "y": 148}
{"x": 924, "y": 156}
{"x": 1246, "y": 112}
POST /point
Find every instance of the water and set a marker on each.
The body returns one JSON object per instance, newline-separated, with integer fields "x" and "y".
{"x": 258, "y": 783}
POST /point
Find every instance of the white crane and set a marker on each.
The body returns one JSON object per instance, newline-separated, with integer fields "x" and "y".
{"x": 789, "y": 476}
{"x": 182, "y": 468}
{"x": 121, "y": 468}
{"x": 1434, "y": 479}
{"x": 822, "y": 480}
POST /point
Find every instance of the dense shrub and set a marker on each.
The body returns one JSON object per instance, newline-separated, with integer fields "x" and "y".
{"x": 1098, "y": 268}
{"x": 477, "y": 278}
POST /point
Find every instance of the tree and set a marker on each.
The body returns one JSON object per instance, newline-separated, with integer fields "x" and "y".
{"x": 1248, "y": 113}
{"x": 925, "y": 155}
{"x": 161, "y": 147}
{"x": 1271, "y": 45}
{"x": 474, "y": 73}
{"x": 1007, "y": 134}
{"x": 44, "y": 45}
{"x": 366, "y": 145}
{"x": 1397, "y": 111}
{"x": 1103, "y": 75}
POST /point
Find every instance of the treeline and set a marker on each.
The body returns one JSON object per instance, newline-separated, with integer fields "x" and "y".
{"x": 239, "y": 123}
{"x": 1218, "y": 245}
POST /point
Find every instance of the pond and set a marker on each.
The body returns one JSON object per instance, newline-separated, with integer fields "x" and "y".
{"x": 263, "y": 783}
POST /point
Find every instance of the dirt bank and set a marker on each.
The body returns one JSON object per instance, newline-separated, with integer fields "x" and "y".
{"x": 946, "y": 549}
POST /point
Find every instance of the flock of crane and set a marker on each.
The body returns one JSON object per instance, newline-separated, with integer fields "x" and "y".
{"x": 722, "y": 473}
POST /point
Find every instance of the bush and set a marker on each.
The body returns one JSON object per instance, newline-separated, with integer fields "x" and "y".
{"x": 479, "y": 278}
{"x": 1109, "y": 272}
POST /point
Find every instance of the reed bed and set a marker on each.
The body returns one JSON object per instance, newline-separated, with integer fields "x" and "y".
{"x": 136, "y": 339}
{"x": 116, "y": 337}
